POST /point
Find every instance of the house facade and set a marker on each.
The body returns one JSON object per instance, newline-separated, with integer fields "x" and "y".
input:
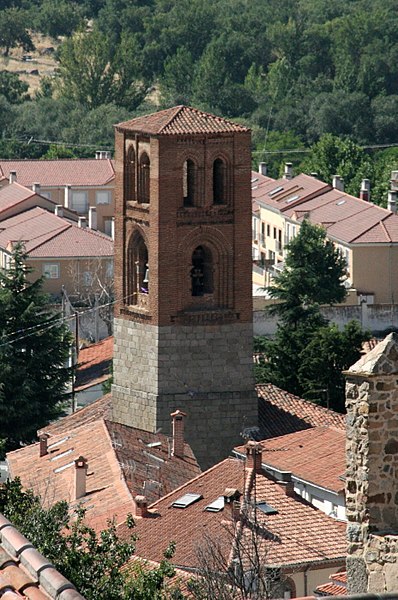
{"x": 76, "y": 184}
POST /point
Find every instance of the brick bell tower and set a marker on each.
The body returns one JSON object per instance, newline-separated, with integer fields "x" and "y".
{"x": 183, "y": 321}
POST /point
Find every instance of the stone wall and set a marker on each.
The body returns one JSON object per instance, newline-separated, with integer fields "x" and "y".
{"x": 205, "y": 371}
{"x": 372, "y": 469}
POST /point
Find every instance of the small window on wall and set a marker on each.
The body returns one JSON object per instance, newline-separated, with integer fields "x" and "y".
{"x": 108, "y": 227}
{"x": 188, "y": 182}
{"x": 219, "y": 187}
{"x": 129, "y": 175}
{"x": 103, "y": 197}
{"x": 51, "y": 271}
{"x": 79, "y": 202}
{"x": 201, "y": 272}
{"x": 144, "y": 177}
{"x": 46, "y": 195}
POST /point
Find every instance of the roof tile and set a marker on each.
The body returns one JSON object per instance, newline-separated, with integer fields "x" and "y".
{"x": 57, "y": 173}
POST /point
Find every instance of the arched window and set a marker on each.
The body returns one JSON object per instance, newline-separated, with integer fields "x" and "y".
{"x": 188, "y": 182}
{"x": 129, "y": 175}
{"x": 138, "y": 275}
{"x": 219, "y": 187}
{"x": 202, "y": 272}
{"x": 143, "y": 181}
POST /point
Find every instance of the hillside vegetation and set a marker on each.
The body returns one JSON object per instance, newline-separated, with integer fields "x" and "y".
{"x": 294, "y": 70}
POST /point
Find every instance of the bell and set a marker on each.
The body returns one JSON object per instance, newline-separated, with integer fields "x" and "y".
{"x": 146, "y": 275}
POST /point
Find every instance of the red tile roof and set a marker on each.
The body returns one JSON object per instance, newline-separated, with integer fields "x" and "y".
{"x": 336, "y": 587}
{"x": 297, "y": 534}
{"x": 26, "y": 574}
{"x": 181, "y": 120}
{"x": 178, "y": 583}
{"x": 100, "y": 409}
{"x": 94, "y": 363}
{"x": 316, "y": 455}
{"x": 283, "y": 194}
{"x": 122, "y": 462}
{"x": 59, "y": 172}
{"x": 13, "y": 194}
{"x": 46, "y": 235}
{"x": 281, "y": 413}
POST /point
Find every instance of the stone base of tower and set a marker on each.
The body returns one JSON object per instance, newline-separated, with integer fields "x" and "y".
{"x": 205, "y": 371}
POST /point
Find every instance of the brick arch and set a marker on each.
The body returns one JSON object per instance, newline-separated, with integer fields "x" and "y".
{"x": 226, "y": 178}
{"x": 222, "y": 255}
{"x": 289, "y": 583}
{"x": 136, "y": 259}
{"x": 129, "y": 173}
{"x": 195, "y": 183}
{"x": 144, "y": 166}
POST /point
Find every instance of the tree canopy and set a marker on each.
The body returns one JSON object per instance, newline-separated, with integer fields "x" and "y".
{"x": 34, "y": 349}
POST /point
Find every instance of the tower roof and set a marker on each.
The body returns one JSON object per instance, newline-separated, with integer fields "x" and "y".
{"x": 181, "y": 120}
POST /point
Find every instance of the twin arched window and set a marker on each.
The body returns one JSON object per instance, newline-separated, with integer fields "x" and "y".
{"x": 190, "y": 182}
{"x": 131, "y": 191}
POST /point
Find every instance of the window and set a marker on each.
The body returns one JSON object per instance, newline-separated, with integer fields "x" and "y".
{"x": 79, "y": 202}
{"x": 109, "y": 269}
{"x": 201, "y": 272}
{"x": 268, "y": 230}
{"x": 186, "y": 500}
{"x": 188, "y": 182}
{"x": 219, "y": 182}
{"x": 143, "y": 182}
{"x": 103, "y": 197}
{"x": 87, "y": 278}
{"x": 138, "y": 275}
{"x": 46, "y": 195}
{"x": 274, "y": 233}
{"x": 129, "y": 175}
{"x": 108, "y": 227}
{"x": 51, "y": 271}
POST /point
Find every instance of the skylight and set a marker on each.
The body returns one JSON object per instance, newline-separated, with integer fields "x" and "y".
{"x": 340, "y": 202}
{"x": 292, "y": 199}
{"x": 62, "y": 454}
{"x": 254, "y": 179}
{"x": 216, "y": 506}
{"x": 186, "y": 500}
{"x": 59, "y": 469}
{"x": 154, "y": 444}
{"x": 55, "y": 444}
{"x": 275, "y": 191}
{"x": 266, "y": 508}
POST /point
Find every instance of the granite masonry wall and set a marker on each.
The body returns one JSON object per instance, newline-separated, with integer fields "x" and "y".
{"x": 205, "y": 371}
{"x": 372, "y": 470}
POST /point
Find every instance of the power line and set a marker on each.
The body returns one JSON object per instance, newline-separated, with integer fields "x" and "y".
{"x": 306, "y": 150}
{"x": 31, "y": 140}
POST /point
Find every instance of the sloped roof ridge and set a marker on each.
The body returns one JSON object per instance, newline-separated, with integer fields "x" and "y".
{"x": 194, "y": 480}
{"x": 177, "y": 110}
{"x": 55, "y": 233}
{"x": 26, "y": 160}
{"x": 114, "y": 454}
{"x": 381, "y": 222}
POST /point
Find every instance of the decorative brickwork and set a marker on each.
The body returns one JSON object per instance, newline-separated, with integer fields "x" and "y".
{"x": 183, "y": 340}
{"x": 372, "y": 470}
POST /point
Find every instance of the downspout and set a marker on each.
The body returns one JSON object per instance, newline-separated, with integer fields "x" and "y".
{"x": 306, "y": 581}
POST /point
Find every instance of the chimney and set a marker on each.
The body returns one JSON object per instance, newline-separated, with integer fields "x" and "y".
{"x": 392, "y": 201}
{"x": 113, "y": 228}
{"x": 43, "y": 444}
{"x": 36, "y": 188}
{"x": 141, "y": 506}
{"x": 338, "y": 183}
{"x": 288, "y": 171}
{"x": 394, "y": 180}
{"x": 12, "y": 177}
{"x": 82, "y": 222}
{"x": 92, "y": 217}
{"x": 178, "y": 433}
{"x": 286, "y": 482}
{"x": 67, "y": 195}
{"x": 314, "y": 174}
{"x": 262, "y": 168}
{"x": 364, "y": 192}
{"x": 97, "y": 154}
{"x": 59, "y": 210}
{"x": 253, "y": 456}
{"x": 80, "y": 477}
{"x": 232, "y": 499}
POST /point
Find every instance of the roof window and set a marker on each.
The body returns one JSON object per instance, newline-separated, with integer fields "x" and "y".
{"x": 186, "y": 500}
{"x": 62, "y": 454}
{"x": 55, "y": 444}
{"x": 254, "y": 179}
{"x": 266, "y": 508}
{"x": 216, "y": 506}
{"x": 340, "y": 202}
{"x": 59, "y": 469}
{"x": 292, "y": 199}
{"x": 275, "y": 191}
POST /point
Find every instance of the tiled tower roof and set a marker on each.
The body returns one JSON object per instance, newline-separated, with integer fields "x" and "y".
{"x": 181, "y": 120}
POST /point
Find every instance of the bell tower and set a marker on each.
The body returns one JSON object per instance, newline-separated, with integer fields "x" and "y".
{"x": 183, "y": 320}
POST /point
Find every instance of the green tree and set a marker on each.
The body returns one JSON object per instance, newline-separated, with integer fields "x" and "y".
{"x": 58, "y": 17}
{"x": 34, "y": 347}
{"x": 93, "y": 563}
{"x": 13, "y": 30}
{"x": 12, "y": 88}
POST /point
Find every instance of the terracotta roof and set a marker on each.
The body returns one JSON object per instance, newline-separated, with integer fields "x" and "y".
{"x": 179, "y": 582}
{"x": 283, "y": 194}
{"x": 46, "y": 235}
{"x": 25, "y": 573}
{"x": 59, "y": 172}
{"x": 13, "y": 194}
{"x": 336, "y": 587}
{"x": 316, "y": 455}
{"x": 16, "y": 195}
{"x": 122, "y": 462}
{"x": 181, "y": 120}
{"x": 100, "y": 409}
{"x": 281, "y": 413}
{"x": 94, "y": 363}
{"x": 296, "y": 534}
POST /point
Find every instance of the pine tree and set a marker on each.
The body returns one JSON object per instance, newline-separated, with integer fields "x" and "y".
{"x": 34, "y": 348}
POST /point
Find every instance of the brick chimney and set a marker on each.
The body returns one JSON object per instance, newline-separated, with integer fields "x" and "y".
{"x": 285, "y": 481}
{"x": 12, "y": 177}
{"x": 141, "y": 506}
{"x": 392, "y": 201}
{"x": 43, "y": 444}
{"x": 338, "y": 183}
{"x": 253, "y": 456}
{"x": 81, "y": 467}
{"x": 364, "y": 192}
{"x": 232, "y": 501}
{"x": 82, "y": 222}
{"x": 288, "y": 171}
{"x": 92, "y": 217}
{"x": 59, "y": 210}
{"x": 262, "y": 168}
{"x": 178, "y": 433}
